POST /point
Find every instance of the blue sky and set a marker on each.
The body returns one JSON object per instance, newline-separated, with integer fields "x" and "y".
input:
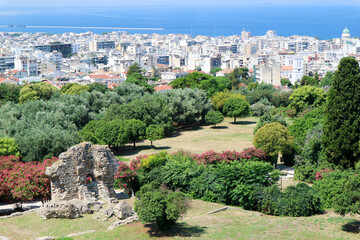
{"x": 107, "y": 3}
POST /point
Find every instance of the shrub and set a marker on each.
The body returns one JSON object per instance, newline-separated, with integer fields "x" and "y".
{"x": 214, "y": 117}
{"x": 331, "y": 185}
{"x": 259, "y": 109}
{"x": 270, "y": 118}
{"x": 161, "y": 206}
{"x": 349, "y": 200}
{"x": 8, "y": 147}
{"x": 297, "y": 201}
{"x": 21, "y": 182}
{"x": 248, "y": 154}
{"x": 307, "y": 96}
{"x": 126, "y": 176}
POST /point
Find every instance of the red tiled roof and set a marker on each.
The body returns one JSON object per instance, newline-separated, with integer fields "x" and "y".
{"x": 287, "y": 68}
{"x": 112, "y": 85}
{"x": 163, "y": 88}
{"x": 2, "y": 80}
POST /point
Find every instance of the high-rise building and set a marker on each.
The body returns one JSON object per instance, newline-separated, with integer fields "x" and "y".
{"x": 64, "y": 48}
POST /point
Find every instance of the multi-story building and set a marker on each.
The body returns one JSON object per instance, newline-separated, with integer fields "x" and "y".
{"x": 65, "y": 49}
{"x": 6, "y": 63}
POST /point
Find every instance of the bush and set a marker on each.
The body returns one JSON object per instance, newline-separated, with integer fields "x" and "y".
{"x": 21, "y": 182}
{"x": 214, "y": 117}
{"x": 298, "y": 201}
{"x": 349, "y": 200}
{"x": 307, "y": 96}
{"x": 127, "y": 177}
{"x": 332, "y": 185}
{"x": 269, "y": 118}
{"x": 161, "y": 206}
{"x": 248, "y": 154}
{"x": 8, "y": 147}
{"x": 259, "y": 109}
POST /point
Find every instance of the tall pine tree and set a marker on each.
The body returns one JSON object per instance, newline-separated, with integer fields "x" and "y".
{"x": 342, "y": 124}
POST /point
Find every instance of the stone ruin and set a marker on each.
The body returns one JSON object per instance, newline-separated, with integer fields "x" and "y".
{"x": 82, "y": 182}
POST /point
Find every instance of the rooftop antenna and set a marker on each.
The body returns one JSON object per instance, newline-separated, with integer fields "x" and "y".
{"x": 191, "y": 31}
{"x": 214, "y": 31}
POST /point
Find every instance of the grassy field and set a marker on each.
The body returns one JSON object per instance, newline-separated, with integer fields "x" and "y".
{"x": 226, "y": 136}
{"x": 196, "y": 224}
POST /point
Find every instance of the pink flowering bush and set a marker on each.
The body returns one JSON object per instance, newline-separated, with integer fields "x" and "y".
{"x": 319, "y": 175}
{"x": 21, "y": 182}
{"x": 248, "y": 154}
{"x": 126, "y": 176}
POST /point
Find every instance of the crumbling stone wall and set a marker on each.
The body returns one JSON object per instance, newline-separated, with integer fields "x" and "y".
{"x": 69, "y": 175}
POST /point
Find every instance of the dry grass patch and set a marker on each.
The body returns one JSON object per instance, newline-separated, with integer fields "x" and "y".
{"x": 226, "y": 136}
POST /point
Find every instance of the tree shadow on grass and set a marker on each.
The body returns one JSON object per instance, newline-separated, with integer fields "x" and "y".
{"x": 219, "y": 127}
{"x": 128, "y": 150}
{"x": 243, "y": 123}
{"x": 183, "y": 230}
{"x": 352, "y": 227}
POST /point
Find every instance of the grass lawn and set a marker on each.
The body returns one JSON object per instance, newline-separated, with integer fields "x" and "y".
{"x": 225, "y": 136}
{"x": 196, "y": 224}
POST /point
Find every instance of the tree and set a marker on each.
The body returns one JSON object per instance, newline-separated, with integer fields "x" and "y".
{"x": 135, "y": 129}
{"x": 191, "y": 80}
{"x": 135, "y": 68}
{"x": 215, "y": 70}
{"x": 8, "y": 147}
{"x": 312, "y": 81}
{"x": 154, "y": 132}
{"x": 342, "y": 112}
{"x": 98, "y": 87}
{"x": 218, "y": 100}
{"x": 214, "y": 117}
{"x": 151, "y": 109}
{"x": 9, "y": 92}
{"x": 327, "y": 80}
{"x": 187, "y": 105}
{"x": 274, "y": 139}
{"x": 37, "y": 91}
{"x": 236, "y": 107}
{"x": 306, "y": 96}
{"x": 285, "y": 82}
{"x": 239, "y": 75}
{"x": 161, "y": 206}
{"x": 74, "y": 88}
{"x": 140, "y": 80}
{"x": 215, "y": 85}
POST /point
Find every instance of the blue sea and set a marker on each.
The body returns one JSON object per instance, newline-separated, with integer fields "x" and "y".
{"x": 325, "y": 22}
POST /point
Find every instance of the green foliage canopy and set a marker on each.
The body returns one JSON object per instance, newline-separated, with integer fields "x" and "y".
{"x": 307, "y": 96}
{"x": 236, "y": 107}
{"x": 342, "y": 123}
{"x": 273, "y": 138}
{"x": 8, "y": 147}
{"x": 37, "y": 91}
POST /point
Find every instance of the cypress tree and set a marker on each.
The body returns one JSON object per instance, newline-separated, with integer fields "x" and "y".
{"x": 342, "y": 122}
